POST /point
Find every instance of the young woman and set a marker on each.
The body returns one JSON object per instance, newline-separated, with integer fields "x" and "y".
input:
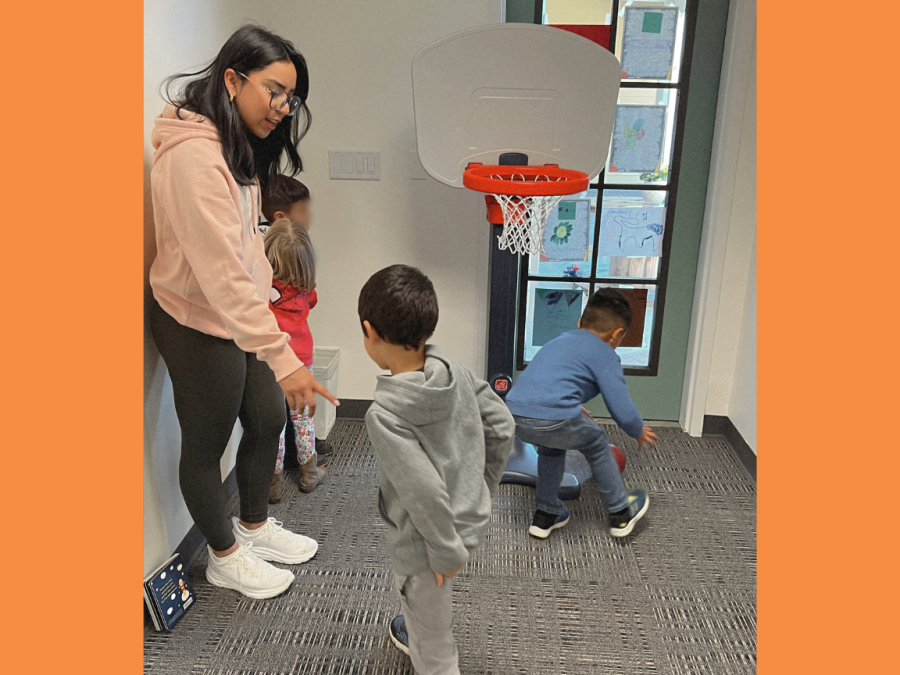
{"x": 228, "y": 128}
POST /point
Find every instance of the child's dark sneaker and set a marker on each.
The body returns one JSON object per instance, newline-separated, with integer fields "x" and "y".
{"x": 622, "y": 522}
{"x": 398, "y": 634}
{"x": 324, "y": 451}
{"x": 544, "y": 523}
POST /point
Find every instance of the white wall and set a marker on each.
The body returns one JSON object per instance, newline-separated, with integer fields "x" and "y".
{"x": 360, "y": 56}
{"x": 742, "y": 408}
{"x": 732, "y": 321}
{"x": 720, "y": 373}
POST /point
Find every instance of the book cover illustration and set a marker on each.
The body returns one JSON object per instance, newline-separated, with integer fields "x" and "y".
{"x": 170, "y": 592}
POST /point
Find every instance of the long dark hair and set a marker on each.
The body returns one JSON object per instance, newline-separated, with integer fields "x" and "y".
{"x": 248, "y": 157}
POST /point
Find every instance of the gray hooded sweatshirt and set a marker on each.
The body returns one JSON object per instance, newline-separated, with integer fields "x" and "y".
{"x": 441, "y": 438}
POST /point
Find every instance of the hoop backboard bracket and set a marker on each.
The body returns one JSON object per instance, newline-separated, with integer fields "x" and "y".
{"x": 544, "y": 94}
{"x": 512, "y": 159}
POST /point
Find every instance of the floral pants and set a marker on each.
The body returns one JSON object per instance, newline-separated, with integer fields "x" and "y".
{"x": 305, "y": 435}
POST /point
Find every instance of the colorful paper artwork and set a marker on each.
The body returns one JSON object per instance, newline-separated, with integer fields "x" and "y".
{"x": 648, "y": 43}
{"x": 635, "y": 231}
{"x": 556, "y": 311}
{"x": 566, "y": 236}
{"x": 638, "y": 135}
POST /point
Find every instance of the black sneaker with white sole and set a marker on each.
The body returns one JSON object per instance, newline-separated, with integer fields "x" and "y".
{"x": 622, "y": 522}
{"x": 398, "y": 634}
{"x": 544, "y": 523}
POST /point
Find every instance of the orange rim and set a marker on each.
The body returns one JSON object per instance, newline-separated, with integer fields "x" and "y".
{"x": 525, "y": 181}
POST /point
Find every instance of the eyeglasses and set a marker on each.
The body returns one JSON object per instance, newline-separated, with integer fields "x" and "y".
{"x": 278, "y": 98}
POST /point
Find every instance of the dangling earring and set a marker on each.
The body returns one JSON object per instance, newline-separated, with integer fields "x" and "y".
{"x": 231, "y": 98}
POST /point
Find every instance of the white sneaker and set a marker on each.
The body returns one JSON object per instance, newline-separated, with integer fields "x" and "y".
{"x": 246, "y": 573}
{"x": 273, "y": 542}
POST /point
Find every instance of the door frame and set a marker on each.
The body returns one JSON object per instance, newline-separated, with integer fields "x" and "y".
{"x": 737, "y": 69}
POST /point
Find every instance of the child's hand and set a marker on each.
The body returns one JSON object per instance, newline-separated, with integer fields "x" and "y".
{"x": 647, "y": 437}
{"x": 440, "y": 577}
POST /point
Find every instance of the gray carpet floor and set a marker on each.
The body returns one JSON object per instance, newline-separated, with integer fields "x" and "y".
{"x": 677, "y": 597}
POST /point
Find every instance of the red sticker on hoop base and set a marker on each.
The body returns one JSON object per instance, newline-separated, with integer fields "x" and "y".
{"x": 613, "y": 167}
{"x": 501, "y": 384}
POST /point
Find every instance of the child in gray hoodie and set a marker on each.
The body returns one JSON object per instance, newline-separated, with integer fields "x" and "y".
{"x": 441, "y": 438}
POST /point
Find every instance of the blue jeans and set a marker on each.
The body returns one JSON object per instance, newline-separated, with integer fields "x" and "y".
{"x": 552, "y": 438}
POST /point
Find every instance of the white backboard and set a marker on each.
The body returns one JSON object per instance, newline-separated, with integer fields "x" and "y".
{"x": 537, "y": 90}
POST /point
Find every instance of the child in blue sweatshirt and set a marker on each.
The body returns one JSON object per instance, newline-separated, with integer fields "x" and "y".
{"x": 546, "y": 402}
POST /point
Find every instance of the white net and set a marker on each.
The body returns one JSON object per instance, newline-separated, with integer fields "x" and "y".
{"x": 524, "y": 220}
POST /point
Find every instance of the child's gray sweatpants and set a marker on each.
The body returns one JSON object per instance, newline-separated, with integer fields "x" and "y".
{"x": 428, "y": 611}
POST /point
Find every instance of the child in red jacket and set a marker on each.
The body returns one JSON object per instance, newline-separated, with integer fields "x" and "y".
{"x": 293, "y": 295}
{"x": 286, "y": 197}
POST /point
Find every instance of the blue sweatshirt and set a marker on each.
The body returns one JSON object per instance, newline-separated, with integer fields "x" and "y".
{"x": 567, "y": 372}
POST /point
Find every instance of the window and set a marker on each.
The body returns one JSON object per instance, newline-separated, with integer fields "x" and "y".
{"x": 618, "y": 233}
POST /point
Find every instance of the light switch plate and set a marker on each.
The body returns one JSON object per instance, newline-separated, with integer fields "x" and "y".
{"x": 354, "y": 164}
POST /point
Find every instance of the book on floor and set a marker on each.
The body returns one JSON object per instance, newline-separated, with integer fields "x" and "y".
{"x": 168, "y": 593}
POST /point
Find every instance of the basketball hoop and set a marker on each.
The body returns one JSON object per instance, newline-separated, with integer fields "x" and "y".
{"x": 521, "y": 198}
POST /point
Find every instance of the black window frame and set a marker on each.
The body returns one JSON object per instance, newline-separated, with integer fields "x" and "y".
{"x": 671, "y": 188}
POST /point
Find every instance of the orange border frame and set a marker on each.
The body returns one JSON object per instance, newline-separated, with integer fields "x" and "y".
{"x": 826, "y": 349}
{"x": 73, "y": 292}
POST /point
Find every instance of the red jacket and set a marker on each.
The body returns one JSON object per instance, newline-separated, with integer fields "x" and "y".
{"x": 291, "y": 308}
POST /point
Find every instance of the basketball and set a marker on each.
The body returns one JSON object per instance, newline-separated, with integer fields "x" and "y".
{"x": 619, "y": 455}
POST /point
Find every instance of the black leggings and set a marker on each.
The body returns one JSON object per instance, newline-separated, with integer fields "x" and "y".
{"x": 214, "y": 383}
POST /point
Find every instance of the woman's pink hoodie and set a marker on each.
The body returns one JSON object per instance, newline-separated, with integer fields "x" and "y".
{"x": 211, "y": 271}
